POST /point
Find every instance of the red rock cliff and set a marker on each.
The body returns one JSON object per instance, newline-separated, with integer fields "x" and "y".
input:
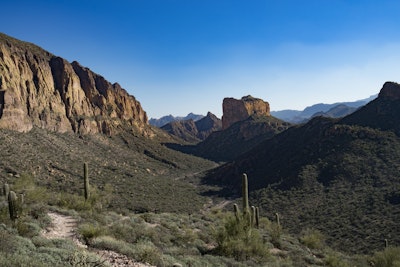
{"x": 235, "y": 110}
{"x": 40, "y": 89}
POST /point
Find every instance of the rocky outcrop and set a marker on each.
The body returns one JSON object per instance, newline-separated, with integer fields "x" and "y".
{"x": 43, "y": 90}
{"x": 235, "y": 110}
{"x": 390, "y": 90}
{"x": 382, "y": 113}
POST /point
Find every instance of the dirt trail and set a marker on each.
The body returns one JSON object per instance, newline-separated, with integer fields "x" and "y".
{"x": 64, "y": 226}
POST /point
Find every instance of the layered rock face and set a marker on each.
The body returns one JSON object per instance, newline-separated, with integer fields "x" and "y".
{"x": 235, "y": 110}
{"x": 42, "y": 90}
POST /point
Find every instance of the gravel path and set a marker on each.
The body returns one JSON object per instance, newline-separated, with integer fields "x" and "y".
{"x": 64, "y": 226}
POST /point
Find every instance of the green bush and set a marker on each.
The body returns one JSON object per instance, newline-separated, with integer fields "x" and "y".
{"x": 240, "y": 241}
{"x": 90, "y": 231}
{"x": 110, "y": 243}
{"x": 312, "y": 239}
{"x": 145, "y": 251}
{"x": 390, "y": 257}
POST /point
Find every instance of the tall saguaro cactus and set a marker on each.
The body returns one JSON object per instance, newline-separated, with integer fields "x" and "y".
{"x": 245, "y": 195}
{"x": 253, "y": 216}
{"x": 6, "y": 190}
{"x": 257, "y": 217}
{"x": 236, "y": 211}
{"x": 86, "y": 181}
{"x": 13, "y": 205}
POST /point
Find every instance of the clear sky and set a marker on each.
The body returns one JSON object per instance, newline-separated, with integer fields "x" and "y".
{"x": 181, "y": 56}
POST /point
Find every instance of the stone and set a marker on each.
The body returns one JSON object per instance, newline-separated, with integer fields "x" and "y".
{"x": 235, "y": 110}
{"x": 38, "y": 89}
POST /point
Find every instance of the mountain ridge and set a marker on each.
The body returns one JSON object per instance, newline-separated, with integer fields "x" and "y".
{"x": 39, "y": 89}
{"x": 160, "y": 122}
{"x": 300, "y": 116}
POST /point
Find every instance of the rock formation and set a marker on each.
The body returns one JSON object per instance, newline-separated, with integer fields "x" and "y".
{"x": 390, "y": 90}
{"x": 238, "y": 110}
{"x": 43, "y": 90}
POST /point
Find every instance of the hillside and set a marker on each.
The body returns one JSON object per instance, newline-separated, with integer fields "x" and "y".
{"x": 339, "y": 178}
{"x": 139, "y": 170}
{"x": 239, "y": 138}
{"x": 194, "y": 131}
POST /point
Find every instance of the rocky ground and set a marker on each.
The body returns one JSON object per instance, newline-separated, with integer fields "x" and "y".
{"x": 64, "y": 227}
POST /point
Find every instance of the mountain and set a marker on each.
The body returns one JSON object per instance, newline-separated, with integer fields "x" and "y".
{"x": 247, "y": 122}
{"x": 55, "y": 115}
{"x": 240, "y": 137}
{"x": 337, "y": 176}
{"x": 297, "y": 116}
{"x": 144, "y": 197}
{"x": 194, "y": 131}
{"x": 338, "y": 111}
{"x": 39, "y": 89}
{"x": 169, "y": 118}
{"x": 382, "y": 113}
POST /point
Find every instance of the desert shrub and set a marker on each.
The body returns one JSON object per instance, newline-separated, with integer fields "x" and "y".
{"x": 40, "y": 241}
{"x": 312, "y": 238}
{"x": 28, "y": 229}
{"x": 390, "y": 257}
{"x": 70, "y": 201}
{"x": 11, "y": 260}
{"x": 108, "y": 242}
{"x": 332, "y": 260}
{"x": 82, "y": 258}
{"x": 145, "y": 251}
{"x": 125, "y": 231}
{"x": 238, "y": 240}
{"x": 7, "y": 243}
{"x": 89, "y": 231}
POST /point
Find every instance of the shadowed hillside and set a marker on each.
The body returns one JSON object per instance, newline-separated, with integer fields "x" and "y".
{"x": 336, "y": 177}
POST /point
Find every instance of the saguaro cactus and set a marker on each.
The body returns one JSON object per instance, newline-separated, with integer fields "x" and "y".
{"x": 6, "y": 190}
{"x": 86, "y": 181}
{"x": 278, "y": 222}
{"x": 257, "y": 217}
{"x": 245, "y": 195}
{"x": 13, "y": 205}
{"x": 237, "y": 212}
{"x": 253, "y": 216}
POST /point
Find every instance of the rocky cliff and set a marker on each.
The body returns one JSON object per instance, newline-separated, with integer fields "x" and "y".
{"x": 235, "y": 110}
{"x": 43, "y": 90}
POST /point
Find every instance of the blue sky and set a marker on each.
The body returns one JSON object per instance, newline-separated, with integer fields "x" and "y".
{"x": 181, "y": 56}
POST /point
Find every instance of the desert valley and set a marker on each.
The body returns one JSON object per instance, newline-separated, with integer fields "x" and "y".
{"x": 253, "y": 188}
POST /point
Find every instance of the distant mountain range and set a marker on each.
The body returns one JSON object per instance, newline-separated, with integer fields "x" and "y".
{"x": 335, "y": 110}
{"x": 169, "y": 118}
{"x": 194, "y": 131}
